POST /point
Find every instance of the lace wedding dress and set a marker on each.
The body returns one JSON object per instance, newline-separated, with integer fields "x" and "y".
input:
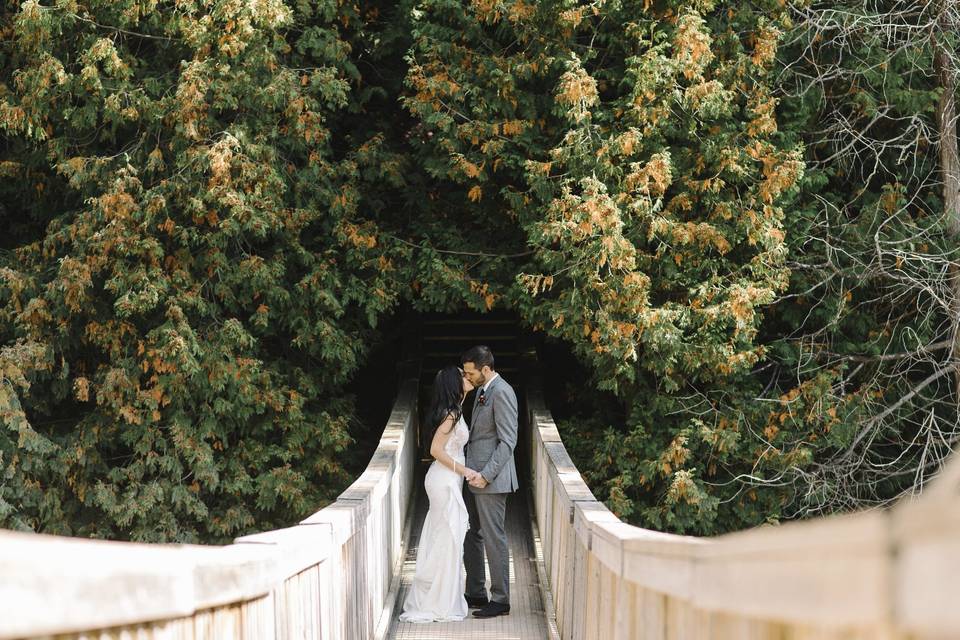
{"x": 436, "y": 593}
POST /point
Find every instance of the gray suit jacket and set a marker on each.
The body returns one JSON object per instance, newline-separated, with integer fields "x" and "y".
{"x": 493, "y": 436}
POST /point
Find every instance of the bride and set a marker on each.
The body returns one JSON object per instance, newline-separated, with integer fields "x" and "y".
{"x": 436, "y": 593}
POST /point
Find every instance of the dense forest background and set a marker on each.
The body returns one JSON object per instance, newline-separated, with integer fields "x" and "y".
{"x": 740, "y": 218}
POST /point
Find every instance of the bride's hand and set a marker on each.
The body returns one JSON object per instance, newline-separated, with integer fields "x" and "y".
{"x": 469, "y": 474}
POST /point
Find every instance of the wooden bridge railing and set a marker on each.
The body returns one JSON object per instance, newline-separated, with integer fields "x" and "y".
{"x": 879, "y": 575}
{"x": 870, "y": 576}
{"x": 328, "y": 577}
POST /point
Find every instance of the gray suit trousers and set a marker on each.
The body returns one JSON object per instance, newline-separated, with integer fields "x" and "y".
{"x": 487, "y": 536}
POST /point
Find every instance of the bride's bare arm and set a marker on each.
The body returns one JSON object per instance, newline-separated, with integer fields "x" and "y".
{"x": 438, "y": 449}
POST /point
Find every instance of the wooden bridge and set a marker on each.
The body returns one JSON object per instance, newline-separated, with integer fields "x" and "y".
{"x": 577, "y": 570}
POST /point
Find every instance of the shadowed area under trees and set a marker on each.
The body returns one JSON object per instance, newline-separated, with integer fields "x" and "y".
{"x": 734, "y": 218}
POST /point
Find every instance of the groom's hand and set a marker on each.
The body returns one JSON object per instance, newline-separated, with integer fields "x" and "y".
{"x": 478, "y": 481}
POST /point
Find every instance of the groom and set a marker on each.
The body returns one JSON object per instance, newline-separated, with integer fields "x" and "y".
{"x": 493, "y": 436}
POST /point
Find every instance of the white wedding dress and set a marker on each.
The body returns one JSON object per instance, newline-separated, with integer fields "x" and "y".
{"x": 439, "y": 580}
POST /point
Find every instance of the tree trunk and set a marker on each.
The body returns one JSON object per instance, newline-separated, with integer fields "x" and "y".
{"x": 946, "y": 68}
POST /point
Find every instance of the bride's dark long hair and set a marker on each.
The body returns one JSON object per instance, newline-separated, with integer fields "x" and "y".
{"x": 447, "y": 396}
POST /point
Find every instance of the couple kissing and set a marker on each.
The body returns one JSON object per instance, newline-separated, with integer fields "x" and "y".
{"x": 467, "y": 486}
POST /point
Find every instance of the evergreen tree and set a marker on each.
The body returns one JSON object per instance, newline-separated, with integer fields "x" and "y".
{"x": 634, "y": 148}
{"x": 190, "y": 286}
{"x": 737, "y": 216}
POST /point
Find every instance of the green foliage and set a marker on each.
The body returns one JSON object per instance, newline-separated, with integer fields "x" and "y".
{"x": 636, "y": 147}
{"x": 196, "y": 289}
{"x": 213, "y": 205}
{"x": 865, "y": 324}
{"x": 849, "y": 401}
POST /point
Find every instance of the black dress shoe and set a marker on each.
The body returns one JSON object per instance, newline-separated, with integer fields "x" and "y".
{"x": 492, "y": 610}
{"x": 476, "y": 603}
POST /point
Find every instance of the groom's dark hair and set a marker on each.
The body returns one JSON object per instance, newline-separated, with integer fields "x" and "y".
{"x": 479, "y": 355}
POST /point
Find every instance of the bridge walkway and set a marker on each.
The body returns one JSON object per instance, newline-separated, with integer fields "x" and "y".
{"x": 526, "y": 620}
